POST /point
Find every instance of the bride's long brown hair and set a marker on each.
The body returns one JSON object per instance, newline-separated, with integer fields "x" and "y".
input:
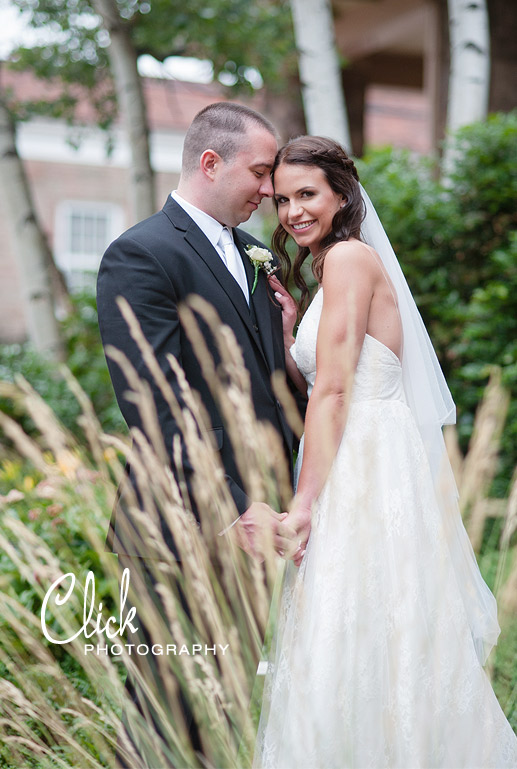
{"x": 342, "y": 176}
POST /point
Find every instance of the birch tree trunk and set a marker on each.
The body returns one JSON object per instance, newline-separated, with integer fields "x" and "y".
{"x": 32, "y": 249}
{"x": 128, "y": 84}
{"x": 320, "y": 75}
{"x": 469, "y": 77}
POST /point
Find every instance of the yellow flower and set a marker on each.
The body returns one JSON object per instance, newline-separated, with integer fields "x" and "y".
{"x": 67, "y": 463}
{"x": 28, "y": 483}
{"x": 110, "y": 454}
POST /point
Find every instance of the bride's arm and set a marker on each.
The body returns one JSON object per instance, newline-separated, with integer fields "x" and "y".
{"x": 348, "y": 284}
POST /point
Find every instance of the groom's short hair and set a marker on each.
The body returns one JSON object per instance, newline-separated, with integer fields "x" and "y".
{"x": 220, "y": 127}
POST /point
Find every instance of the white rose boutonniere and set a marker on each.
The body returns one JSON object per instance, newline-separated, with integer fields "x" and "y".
{"x": 261, "y": 259}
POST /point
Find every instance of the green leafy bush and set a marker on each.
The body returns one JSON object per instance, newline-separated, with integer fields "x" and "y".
{"x": 44, "y": 376}
{"x": 408, "y": 200}
{"x": 489, "y": 337}
{"x": 85, "y": 359}
{"x": 456, "y": 241}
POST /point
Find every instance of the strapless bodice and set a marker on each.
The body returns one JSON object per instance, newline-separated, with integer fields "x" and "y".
{"x": 378, "y": 375}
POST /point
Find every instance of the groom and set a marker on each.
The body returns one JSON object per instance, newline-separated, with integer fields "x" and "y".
{"x": 192, "y": 247}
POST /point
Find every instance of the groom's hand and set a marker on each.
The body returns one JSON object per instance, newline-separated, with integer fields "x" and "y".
{"x": 259, "y": 527}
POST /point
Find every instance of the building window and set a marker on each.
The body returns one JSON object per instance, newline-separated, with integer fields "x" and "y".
{"x": 83, "y": 231}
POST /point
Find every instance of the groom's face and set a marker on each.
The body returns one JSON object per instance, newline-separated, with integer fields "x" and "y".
{"x": 242, "y": 182}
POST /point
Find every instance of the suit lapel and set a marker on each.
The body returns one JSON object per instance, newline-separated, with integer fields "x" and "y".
{"x": 248, "y": 267}
{"x": 197, "y": 240}
{"x": 204, "y": 249}
{"x": 260, "y": 300}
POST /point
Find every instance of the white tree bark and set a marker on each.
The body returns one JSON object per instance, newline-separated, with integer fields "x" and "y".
{"x": 469, "y": 78}
{"x": 128, "y": 84}
{"x": 320, "y": 75}
{"x": 32, "y": 248}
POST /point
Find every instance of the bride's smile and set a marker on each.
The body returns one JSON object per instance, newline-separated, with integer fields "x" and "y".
{"x": 306, "y": 203}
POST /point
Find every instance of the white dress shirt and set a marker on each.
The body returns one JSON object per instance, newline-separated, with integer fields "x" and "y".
{"x": 213, "y": 230}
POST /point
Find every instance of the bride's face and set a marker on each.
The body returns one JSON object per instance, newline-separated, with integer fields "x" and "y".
{"x": 306, "y": 203}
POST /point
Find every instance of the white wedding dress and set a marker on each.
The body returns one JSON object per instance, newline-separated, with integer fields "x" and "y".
{"x": 374, "y": 663}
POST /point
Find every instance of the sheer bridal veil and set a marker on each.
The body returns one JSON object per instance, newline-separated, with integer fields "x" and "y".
{"x": 432, "y": 406}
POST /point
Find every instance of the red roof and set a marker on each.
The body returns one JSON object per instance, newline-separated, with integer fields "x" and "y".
{"x": 172, "y": 104}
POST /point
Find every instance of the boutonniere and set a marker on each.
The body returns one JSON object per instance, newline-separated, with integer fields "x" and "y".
{"x": 261, "y": 259}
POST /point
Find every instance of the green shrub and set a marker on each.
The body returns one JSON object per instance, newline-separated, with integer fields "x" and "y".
{"x": 407, "y": 198}
{"x": 44, "y": 376}
{"x": 456, "y": 241}
{"x": 489, "y": 337}
{"x": 85, "y": 359}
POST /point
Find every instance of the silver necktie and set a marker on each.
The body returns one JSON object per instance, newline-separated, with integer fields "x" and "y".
{"x": 233, "y": 261}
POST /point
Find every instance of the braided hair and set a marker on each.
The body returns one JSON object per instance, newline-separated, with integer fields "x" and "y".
{"x": 341, "y": 175}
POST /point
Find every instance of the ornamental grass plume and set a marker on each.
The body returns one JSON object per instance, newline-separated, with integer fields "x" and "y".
{"x": 60, "y": 705}
{"x": 492, "y": 525}
{"x": 480, "y": 464}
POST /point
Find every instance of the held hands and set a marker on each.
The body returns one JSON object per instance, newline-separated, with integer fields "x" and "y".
{"x": 289, "y": 309}
{"x": 260, "y": 526}
{"x": 298, "y": 521}
{"x": 288, "y": 533}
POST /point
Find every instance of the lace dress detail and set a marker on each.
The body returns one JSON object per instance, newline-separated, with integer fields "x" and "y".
{"x": 374, "y": 663}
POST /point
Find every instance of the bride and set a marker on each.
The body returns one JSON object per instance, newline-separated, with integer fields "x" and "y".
{"x": 384, "y": 628}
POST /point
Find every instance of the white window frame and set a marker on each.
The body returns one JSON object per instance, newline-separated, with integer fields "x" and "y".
{"x": 70, "y": 261}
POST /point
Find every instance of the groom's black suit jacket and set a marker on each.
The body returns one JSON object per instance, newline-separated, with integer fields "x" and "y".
{"x": 156, "y": 265}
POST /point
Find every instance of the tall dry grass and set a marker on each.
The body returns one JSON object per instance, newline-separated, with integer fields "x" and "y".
{"x": 60, "y": 707}
{"x": 218, "y": 597}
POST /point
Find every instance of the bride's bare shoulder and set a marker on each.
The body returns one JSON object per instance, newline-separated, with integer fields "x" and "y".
{"x": 346, "y": 257}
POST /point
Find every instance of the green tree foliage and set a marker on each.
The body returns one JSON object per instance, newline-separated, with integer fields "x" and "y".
{"x": 73, "y": 55}
{"x": 456, "y": 241}
{"x": 234, "y": 35}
